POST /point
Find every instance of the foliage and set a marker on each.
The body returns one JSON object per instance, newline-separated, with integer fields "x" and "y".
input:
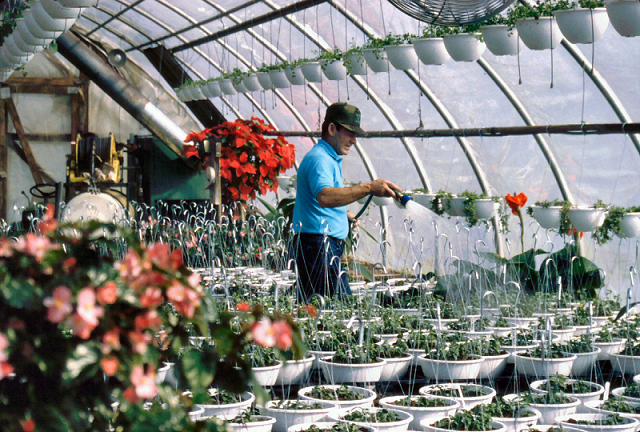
{"x": 69, "y": 316}
{"x": 455, "y": 392}
{"x": 610, "y": 420}
{"x": 422, "y": 402}
{"x": 338, "y": 427}
{"x": 433, "y": 31}
{"x": 554, "y": 352}
{"x": 523, "y": 338}
{"x": 548, "y": 398}
{"x": 296, "y": 405}
{"x": 363, "y": 415}
{"x": 620, "y": 405}
{"x": 503, "y": 408}
{"x": 611, "y": 225}
{"x": 250, "y": 162}
{"x": 464, "y": 420}
{"x": 581, "y": 277}
{"x": 632, "y": 390}
{"x": 342, "y": 393}
{"x": 455, "y": 351}
{"x": 581, "y": 344}
{"x": 542, "y": 8}
{"x": 437, "y": 204}
{"x": 330, "y": 56}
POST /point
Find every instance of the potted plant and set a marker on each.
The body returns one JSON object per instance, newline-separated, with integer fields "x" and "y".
{"x": 608, "y": 344}
{"x": 614, "y": 405}
{"x": 421, "y": 408}
{"x": 481, "y": 207}
{"x": 585, "y": 23}
{"x": 262, "y": 74}
{"x": 544, "y": 361}
{"x": 515, "y": 415}
{"x": 332, "y": 64}
{"x": 442, "y": 202}
{"x": 501, "y": 327}
{"x": 598, "y": 422}
{"x": 469, "y": 395}
{"x": 223, "y": 403}
{"x": 465, "y": 44}
{"x": 330, "y": 426}
{"x": 348, "y": 365}
{"x": 495, "y": 358}
{"x": 584, "y": 391}
{"x": 292, "y": 412}
{"x": 423, "y": 197}
{"x": 536, "y": 26}
{"x": 471, "y": 328}
{"x": 397, "y": 360}
{"x": 375, "y": 55}
{"x": 456, "y": 361}
{"x": 278, "y": 76}
{"x": 630, "y": 393}
{"x": 249, "y": 421}
{"x": 501, "y": 36}
{"x": 624, "y": 16}
{"x": 623, "y": 222}
{"x": 430, "y": 46}
{"x": 400, "y": 52}
{"x": 550, "y": 404}
{"x": 213, "y": 87}
{"x": 354, "y": 61}
{"x": 264, "y": 364}
{"x": 293, "y": 71}
{"x": 342, "y": 395}
{"x": 382, "y": 419}
{"x": 311, "y": 70}
{"x": 551, "y": 214}
{"x": 627, "y": 361}
{"x": 237, "y": 80}
{"x": 585, "y": 351}
{"x": 464, "y": 421}
{"x": 587, "y": 219}
{"x": 226, "y": 85}
{"x": 295, "y": 371}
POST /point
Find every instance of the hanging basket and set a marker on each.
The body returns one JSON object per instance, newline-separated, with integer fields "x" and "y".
{"x": 586, "y": 219}
{"x": 196, "y": 93}
{"x": 239, "y": 86}
{"x": 47, "y": 22}
{"x": 431, "y": 51}
{"x": 464, "y": 47}
{"x": 226, "y": 85}
{"x": 334, "y": 71}
{"x": 630, "y": 225}
{"x": 501, "y": 40}
{"x": 357, "y": 63}
{"x": 13, "y": 47}
{"x": 78, "y": 3}
{"x": 312, "y": 71}
{"x": 214, "y": 88}
{"x": 22, "y": 45}
{"x": 205, "y": 91}
{"x": 265, "y": 80}
{"x": 485, "y": 208}
{"x": 540, "y": 33}
{"x": 27, "y": 36}
{"x": 251, "y": 83}
{"x": 547, "y": 217}
{"x": 56, "y": 10}
{"x": 294, "y": 75}
{"x": 376, "y": 59}
{"x": 279, "y": 79}
{"x": 582, "y": 26}
{"x": 625, "y": 17}
{"x": 35, "y": 29}
{"x": 402, "y": 57}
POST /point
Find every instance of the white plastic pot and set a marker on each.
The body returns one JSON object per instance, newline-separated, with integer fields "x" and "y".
{"x": 382, "y": 201}
{"x": 56, "y": 10}
{"x": 447, "y": 370}
{"x": 582, "y": 26}
{"x": 279, "y": 79}
{"x": 294, "y": 75}
{"x": 13, "y": 47}
{"x": 501, "y": 40}
{"x": 629, "y": 365}
{"x": 22, "y": 45}
{"x": 454, "y": 206}
{"x": 226, "y": 85}
{"x": 466, "y": 403}
{"x": 357, "y": 64}
{"x": 548, "y": 412}
{"x": 431, "y": 51}
{"x": 396, "y": 426}
{"x": 376, "y": 59}
{"x": 47, "y": 22}
{"x": 539, "y": 33}
{"x": 566, "y": 421}
{"x": 423, "y": 199}
{"x": 321, "y": 425}
{"x": 367, "y": 401}
{"x": 630, "y": 225}
{"x": 402, "y": 57}
{"x": 214, "y": 88}
{"x": 285, "y": 418}
{"x": 516, "y": 424}
{"x": 485, "y": 208}
{"x": 464, "y": 47}
{"x": 492, "y": 366}
{"x": 537, "y": 367}
{"x": 295, "y": 371}
{"x": 608, "y": 348}
{"x": 78, "y": 3}
{"x": 258, "y": 424}
{"x": 321, "y": 355}
{"x": 251, "y": 83}
{"x": 335, "y": 70}
{"x": 598, "y": 391}
{"x": 35, "y": 29}
{"x": 395, "y": 368}
{"x": 196, "y": 93}
{"x": 547, "y": 217}
{"x": 427, "y": 427}
{"x": 584, "y": 362}
{"x": 228, "y": 410}
{"x": 586, "y": 219}
{"x": 239, "y": 86}
{"x": 266, "y": 376}
{"x": 27, "y": 36}
{"x": 338, "y": 373}
{"x": 264, "y": 80}
{"x": 625, "y": 17}
{"x": 619, "y": 392}
{"x": 312, "y": 71}
{"x": 429, "y": 414}
{"x": 564, "y": 335}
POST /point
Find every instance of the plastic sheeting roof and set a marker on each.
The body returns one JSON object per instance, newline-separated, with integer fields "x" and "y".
{"x": 595, "y": 167}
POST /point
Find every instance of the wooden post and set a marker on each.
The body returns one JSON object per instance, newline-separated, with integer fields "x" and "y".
{"x": 3, "y": 162}
{"x": 216, "y": 187}
{"x": 24, "y": 142}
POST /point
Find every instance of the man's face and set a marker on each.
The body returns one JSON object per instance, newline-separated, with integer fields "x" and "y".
{"x": 343, "y": 139}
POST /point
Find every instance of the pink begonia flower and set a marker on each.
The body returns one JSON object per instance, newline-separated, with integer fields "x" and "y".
{"x": 80, "y": 326}
{"x": 139, "y": 341}
{"x": 148, "y": 278}
{"x": 35, "y": 246}
{"x": 4, "y": 344}
{"x": 151, "y": 320}
{"x": 175, "y": 259}
{"x": 159, "y": 254}
{"x": 107, "y": 293}
{"x": 283, "y": 334}
{"x": 184, "y": 299}
{"x": 111, "y": 340}
{"x": 130, "y": 267}
{"x": 144, "y": 384}
{"x": 59, "y": 304}
{"x": 6, "y": 248}
{"x": 87, "y": 308}
{"x": 110, "y": 365}
{"x": 194, "y": 280}
{"x": 151, "y": 297}
{"x": 262, "y": 333}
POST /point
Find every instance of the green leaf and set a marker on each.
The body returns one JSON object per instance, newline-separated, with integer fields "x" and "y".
{"x": 199, "y": 374}
{"x": 364, "y": 271}
{"x": 84, "y": 356}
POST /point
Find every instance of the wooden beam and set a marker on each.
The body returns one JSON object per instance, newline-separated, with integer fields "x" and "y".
{"x": 76, "y": 101}
{"x": 24, "y": 142}
{"x": 44, "y": 137}
{"x": 37, "y": 85}
{"x": 3, "y": 162}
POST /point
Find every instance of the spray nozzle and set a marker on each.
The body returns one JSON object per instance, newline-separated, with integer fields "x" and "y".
{"x": 404, "y": 199}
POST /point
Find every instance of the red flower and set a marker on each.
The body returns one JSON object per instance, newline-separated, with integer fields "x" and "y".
{"x": 28, "y": 425}
{"x": 311, "y": 310}
{"x": 243, "y": 307}
{"x": 107, "y": 294}
{"x": 197, "y": 136}
{"x": 516, "y": 202}
{"x": 190, "y": 151}
{"x": 110, "y": 365}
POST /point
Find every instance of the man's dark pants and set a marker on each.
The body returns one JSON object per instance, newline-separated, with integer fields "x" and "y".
{"x": 318, "y": 271}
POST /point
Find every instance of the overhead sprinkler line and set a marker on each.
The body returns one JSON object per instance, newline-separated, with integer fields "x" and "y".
{"x": 504, "y": 131}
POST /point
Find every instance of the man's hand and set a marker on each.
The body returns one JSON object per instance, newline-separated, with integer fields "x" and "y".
{"x": 352, "y": 219}
{"x": 382, "y": 188}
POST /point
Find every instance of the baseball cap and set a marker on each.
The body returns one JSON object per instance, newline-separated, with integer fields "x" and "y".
{"x": 347, "y": 116}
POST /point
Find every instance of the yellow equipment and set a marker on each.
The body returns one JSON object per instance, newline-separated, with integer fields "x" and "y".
{"x": 95, "y": 158}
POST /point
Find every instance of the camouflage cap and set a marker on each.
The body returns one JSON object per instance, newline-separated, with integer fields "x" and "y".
{"x": 345, "y": 115}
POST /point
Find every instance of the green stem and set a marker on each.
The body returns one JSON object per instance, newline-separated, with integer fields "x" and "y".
{"x": 521, "y": 229}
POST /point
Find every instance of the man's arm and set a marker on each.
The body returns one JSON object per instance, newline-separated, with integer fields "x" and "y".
{"x": 336, "y": 197}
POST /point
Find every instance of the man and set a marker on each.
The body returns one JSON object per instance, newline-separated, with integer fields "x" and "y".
{"x": 321, "y": 202}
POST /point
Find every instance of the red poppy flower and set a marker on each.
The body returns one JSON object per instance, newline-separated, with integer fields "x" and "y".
{"x": 516, "y": 202}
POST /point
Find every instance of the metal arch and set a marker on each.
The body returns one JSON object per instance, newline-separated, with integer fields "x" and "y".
{"x": 445, "y": 114}
{"x": 540, "y": 139}
{"x": 124, "y": 38}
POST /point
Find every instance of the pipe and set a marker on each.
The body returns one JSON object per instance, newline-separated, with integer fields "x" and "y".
{"x": 122, "y": 92}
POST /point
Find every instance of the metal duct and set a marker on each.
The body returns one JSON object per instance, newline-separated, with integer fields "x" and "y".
{"x": 123, "y": 93}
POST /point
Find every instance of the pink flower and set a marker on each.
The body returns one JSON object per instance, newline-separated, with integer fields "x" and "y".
{"x": 159, "y": 253}
{"x": 151, "y": 297}
{"x": 151, "y": 320}
{"x": 6, "y": 248}
{"x": 283, "y": 334}
{"x": 4, "y": 344}
{"x": 139, "y": 341}
{"x": 107, "y": 293}
{"x": 184, "y": 299}
{"x": 35, "y": 246}
{"x": 130, "y": 267}
{"x": 80, "y": 326}
{"x": 111, "y": 340}
{"x": 87, "y": 308}
{"x": 48, "y": 222}
{"x": 144, "y": 384}
{"x": 59, "y": 305}
{"x": 194, "y": 280}
{"x": 148, "y": 278}
{"x": 175, "y": 259}
{"x": 262, "y": 333}
{"x": 110, "y": 365}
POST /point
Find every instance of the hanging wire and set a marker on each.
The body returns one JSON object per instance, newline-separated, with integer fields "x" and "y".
{"x": 551, "y": 38}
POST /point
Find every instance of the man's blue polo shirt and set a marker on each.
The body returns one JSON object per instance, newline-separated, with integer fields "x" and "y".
{"x": 320, "y": 168}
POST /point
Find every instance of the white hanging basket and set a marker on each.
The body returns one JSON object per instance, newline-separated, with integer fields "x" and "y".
{"x": 464, "y": 47}
{"x": 205, "y": 91}
{"x": 431, "y": 51}
{"x": 239, "y": 86}
{"x": 22, "y": 45}
{"x": 540, "y": 33}
{"x": 376, "y": 59}
{"x": 357, "y": 63}
{"x": 295, "y": 371}
{"x": 58, "y": 11}
{"x": 47, "y": 22}
{"x": 598, "y": 423}
{"x": 402, "y": 57}
{"x": 485, "y": 208}
{"x": 226, "y": 85}
{"x": 584, "y": 362}
{"x": 537, "y": 367}
{"x": 454, "y": 206}
{"x": 485, "y": 394}
{"x": 196, "y": 93}
{"x": 214, "y": 88}
{"x": 493, "y": 366}
{"x": 367, "y": 401}
{"x": 78, "y": 3}
{"x": 382, "y": 201}
{"x": 265, "y": 80}
{"x": 35, "y": 29}
{"x": 338, "y": 373}
{"x": 294, "y": 75}
{"x": 230, "y": 410}
{"x": 586, "y": 219}
{"x": 27, "y": 36}
{"x": 266, "y": 376}
{"x": 625, "y": 17}
{"x": 312, "y": 71}
{"x": 608, "y": 348}
{"x": 182, "y": 94}
{"x": 395, "y": 426}
{"x": 429, "y": 414}
{"x": 285, "y": 418}
{"x": 395, "y": 368}
{"x": 582, "y": 26}
{"x": 547, "y": 217}
{"x": 251, "y": 83}
{"x": 630, "y": 225}
{"x": 501, "y": 40}
{"x": 279, "y": 79}
{"x": 334, "y": 71}
{"x": 13, "y": 47}
{"x": 448, "y": 370}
